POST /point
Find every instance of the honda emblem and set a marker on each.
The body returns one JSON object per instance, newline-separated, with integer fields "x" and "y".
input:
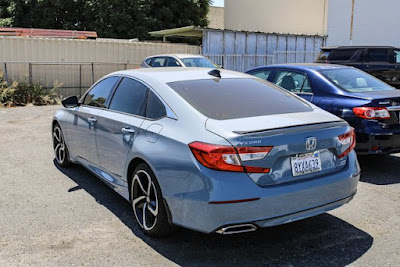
{"x": 311, "y": 143}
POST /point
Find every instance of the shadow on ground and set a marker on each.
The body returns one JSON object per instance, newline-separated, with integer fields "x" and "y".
{"x": 380, "y": 169}
{"x": 324, "y": 240}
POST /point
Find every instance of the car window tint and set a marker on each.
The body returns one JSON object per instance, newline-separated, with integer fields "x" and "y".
{"x": 130, "y": 97}
{"x": 223, "y": 99}
{"x": 354, "y": 80}
{"x": 98, "y": 95}
{"x": 378, "y": 55}
{"x": 293, "y": 81}
{"x": 172, "y": 62}
{"x": 342, "y": 54}
{"x": 201, "y": 62}
{"x": 155, "y": 108}
{"x": 263, "y": 74}
{"x": 158, "y": 62}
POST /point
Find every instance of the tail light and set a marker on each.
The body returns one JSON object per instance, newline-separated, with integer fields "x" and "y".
{"x": 372, "y": 113}
{"x": 228, "y": 158}
{"x": 348, "y": 141}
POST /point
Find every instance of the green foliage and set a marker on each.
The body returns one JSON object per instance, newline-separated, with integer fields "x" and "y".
{"x": 109, "y": 18}
{"x": 22, "y": 93}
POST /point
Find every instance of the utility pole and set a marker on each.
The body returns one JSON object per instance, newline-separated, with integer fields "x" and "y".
{"x": 352, "y": 22}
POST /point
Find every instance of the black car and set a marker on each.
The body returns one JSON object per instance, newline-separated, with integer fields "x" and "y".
{"x": 383, "y": 62}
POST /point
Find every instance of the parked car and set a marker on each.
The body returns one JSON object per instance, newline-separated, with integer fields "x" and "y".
{"x": 369, "y": 105}
{"x": 214, "y": 151}
{"x": 178, "y": 60}
{"x": 383, "y": 62}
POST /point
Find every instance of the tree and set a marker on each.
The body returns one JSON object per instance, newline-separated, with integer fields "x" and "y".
{"x": 6, "y": 9}
{"x": 109, "y": 18}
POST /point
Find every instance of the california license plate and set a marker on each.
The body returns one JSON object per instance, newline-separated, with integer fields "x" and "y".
{"x": 306, "y": 163}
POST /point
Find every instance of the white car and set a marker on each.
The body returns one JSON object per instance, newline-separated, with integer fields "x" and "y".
{"x": 178, "y": 60}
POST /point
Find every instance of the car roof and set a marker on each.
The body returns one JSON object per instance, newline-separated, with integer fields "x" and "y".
{"x": 173, "y": 74}
{"x": 305, "y": 66}
{"x": 176, "y": 55}
{"x": 355, "y": 47}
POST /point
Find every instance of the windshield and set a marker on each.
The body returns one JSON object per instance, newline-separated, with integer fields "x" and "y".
{"x": 355, "y": 81}
{"x": 223, "y": 99}
{"x": 200, "y": 62}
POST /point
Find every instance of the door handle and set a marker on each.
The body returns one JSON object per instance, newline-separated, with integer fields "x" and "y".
{"x": 128, "y": 130}
{"x": 92, "y": 120}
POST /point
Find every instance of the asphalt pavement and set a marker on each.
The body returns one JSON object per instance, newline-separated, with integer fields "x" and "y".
{"x": 51, "y": 216}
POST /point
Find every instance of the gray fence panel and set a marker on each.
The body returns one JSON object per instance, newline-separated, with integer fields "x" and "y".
{"x": 229, "y": 43}
{"x": 240, "y": 43}
{"x": 251, "y": 44}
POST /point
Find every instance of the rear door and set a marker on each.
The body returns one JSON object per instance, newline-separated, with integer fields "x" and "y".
{"x": 81, "y": 133}
{"x": 119, "y": 126}
{"x": 296, "y": 82}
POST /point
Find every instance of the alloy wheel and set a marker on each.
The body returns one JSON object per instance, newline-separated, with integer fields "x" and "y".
{"x": 144, "y": 200}
{"x": 59, "y": 145}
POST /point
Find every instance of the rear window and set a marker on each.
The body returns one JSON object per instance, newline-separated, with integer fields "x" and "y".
{"x": 223, "y": 99}
{"x": 355, "y": 81}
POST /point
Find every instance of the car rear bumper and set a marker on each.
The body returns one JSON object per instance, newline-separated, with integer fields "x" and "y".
{"x": 275, "y": 205}
{"x": 378, "y": 143}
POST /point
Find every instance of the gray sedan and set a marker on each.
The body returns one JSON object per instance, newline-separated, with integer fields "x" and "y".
{"x": 210, "y": 150}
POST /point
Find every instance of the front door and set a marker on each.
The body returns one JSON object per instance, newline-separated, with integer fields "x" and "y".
{"x": 81, "y": 131}
{"x": 119, "y": 126}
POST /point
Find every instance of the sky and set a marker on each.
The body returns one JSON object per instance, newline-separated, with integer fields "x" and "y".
{"x": 218, "y": 3}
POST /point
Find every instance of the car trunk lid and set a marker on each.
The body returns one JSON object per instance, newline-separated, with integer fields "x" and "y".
{"x": 288, "y": 134}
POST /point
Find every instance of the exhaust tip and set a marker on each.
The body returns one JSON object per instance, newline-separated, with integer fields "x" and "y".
{"x": 237, "y": 229}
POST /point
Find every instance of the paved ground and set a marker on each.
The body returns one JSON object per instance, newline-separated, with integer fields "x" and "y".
{"x": 50, "y": 217}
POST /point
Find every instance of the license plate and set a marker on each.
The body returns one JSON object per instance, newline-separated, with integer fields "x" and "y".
{"x": 306, "y": 163}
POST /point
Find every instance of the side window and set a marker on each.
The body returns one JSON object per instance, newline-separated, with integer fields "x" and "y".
{"x": 397, "y": 56}
{"x": 130, "y": 97}
{"x": 148, "y": 61}
{"x": 172, "y": 62}
{"x": 378, "y": 55}
{"x": 98, "y": 95}
{"x": 293, "y": 81}
{"x": 155, "y": 108}
{"x": 342, "y": 54}
{"x": 158, "y": 62}
{"x": 263, "y": 74}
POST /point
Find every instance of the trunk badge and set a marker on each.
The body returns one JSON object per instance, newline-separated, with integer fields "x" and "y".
{"x": 311, "y": 143}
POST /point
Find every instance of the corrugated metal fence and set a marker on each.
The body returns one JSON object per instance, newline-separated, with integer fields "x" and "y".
{"x": 241, "y": 51}
{"x": 245, "y": 62}
{"x": 75, "y": 64}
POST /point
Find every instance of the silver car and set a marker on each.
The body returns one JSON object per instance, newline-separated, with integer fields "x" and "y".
{"x": 210, "y": 150}
{"x": 178, "y": 60}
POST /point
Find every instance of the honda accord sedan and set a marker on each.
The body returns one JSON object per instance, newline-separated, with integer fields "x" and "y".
{"x": 214, "y": 151}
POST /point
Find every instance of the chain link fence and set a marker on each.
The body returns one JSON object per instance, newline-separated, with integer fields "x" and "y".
{"x": 73, "y": 78}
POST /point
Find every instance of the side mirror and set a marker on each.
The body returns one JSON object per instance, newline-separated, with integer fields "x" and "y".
{"x": 70, "y": 102}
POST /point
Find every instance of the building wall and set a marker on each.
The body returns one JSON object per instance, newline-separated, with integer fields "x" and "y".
{"x": 375, "y": 22}
{"x": 216, "y": 17}
{"x": 283, "y": 16}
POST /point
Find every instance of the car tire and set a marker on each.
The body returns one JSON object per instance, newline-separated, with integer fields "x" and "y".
{"x": 147, "y": 202}
{"x": 60, "y": 148}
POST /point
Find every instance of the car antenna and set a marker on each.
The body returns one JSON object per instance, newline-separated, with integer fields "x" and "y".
{"x": 215, "y": 73}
